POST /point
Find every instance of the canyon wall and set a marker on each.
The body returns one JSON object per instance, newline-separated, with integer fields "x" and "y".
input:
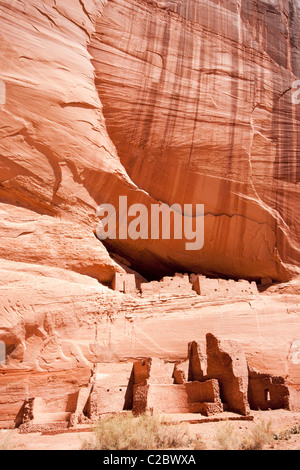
{"x": 183, "y": 101}
{"x": 198, "y": 102}
{"x": 173, "y": 102}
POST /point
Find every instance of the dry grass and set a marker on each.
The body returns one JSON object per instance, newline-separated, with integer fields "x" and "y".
{"x": 228, "y": 437}
{"x": 260, "y": 436}
{"x": 198, "y": 443}
{"x": 286, "y": 434}
{"x": 144, "y": 432}
{"x": 4, "y": 441}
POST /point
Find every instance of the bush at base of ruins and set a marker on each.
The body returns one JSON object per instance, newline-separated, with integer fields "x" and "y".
{"x": 5, "y": 441}
{"x": 228, "y": 438}
{"x": 129, "y": 432}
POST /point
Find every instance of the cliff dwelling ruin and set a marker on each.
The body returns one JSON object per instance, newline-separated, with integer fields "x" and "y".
{"x": 205, "y": 384}
{"x": 139, "y": 105}
{"x": 181, "y": 284}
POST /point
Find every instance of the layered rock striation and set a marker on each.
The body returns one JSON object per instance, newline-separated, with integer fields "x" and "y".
{"x": 186, "y": 102}
{"x": 173, "y": 102}
{"x": 197, "y": 97}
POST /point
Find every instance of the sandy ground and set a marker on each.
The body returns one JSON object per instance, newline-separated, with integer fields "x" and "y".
{"x": 205, "y": 432}
{"x": 280, "y": 421}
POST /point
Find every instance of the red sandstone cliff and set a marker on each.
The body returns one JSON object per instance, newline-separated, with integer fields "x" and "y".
{"x": 184, "y": 101}
{"x": 181, "y": 102}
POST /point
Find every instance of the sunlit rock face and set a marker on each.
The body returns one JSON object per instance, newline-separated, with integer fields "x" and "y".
{"x": 53, "y": 141}
{"x": 178, "y": 102}
{"x": 186, "y": 102}
{"x": 197, "y": 98}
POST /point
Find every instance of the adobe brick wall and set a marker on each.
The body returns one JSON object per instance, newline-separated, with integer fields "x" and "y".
{"x": 178, "y": 284}
{"x": 207, "y": 391}
{"x": 181, "y": 372}
{"x": 222, "y": 287}
{"x": 190, "y": 397}
{"x": 197, "y": 362}
{"x": 227, "y": 363}
{"x": 153, "y": 370}
{"x": 125, "y": 282}
{"x": 270, "y": 392}
{"x": 110, "y": 387}
{"x": 293, "y": 400}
